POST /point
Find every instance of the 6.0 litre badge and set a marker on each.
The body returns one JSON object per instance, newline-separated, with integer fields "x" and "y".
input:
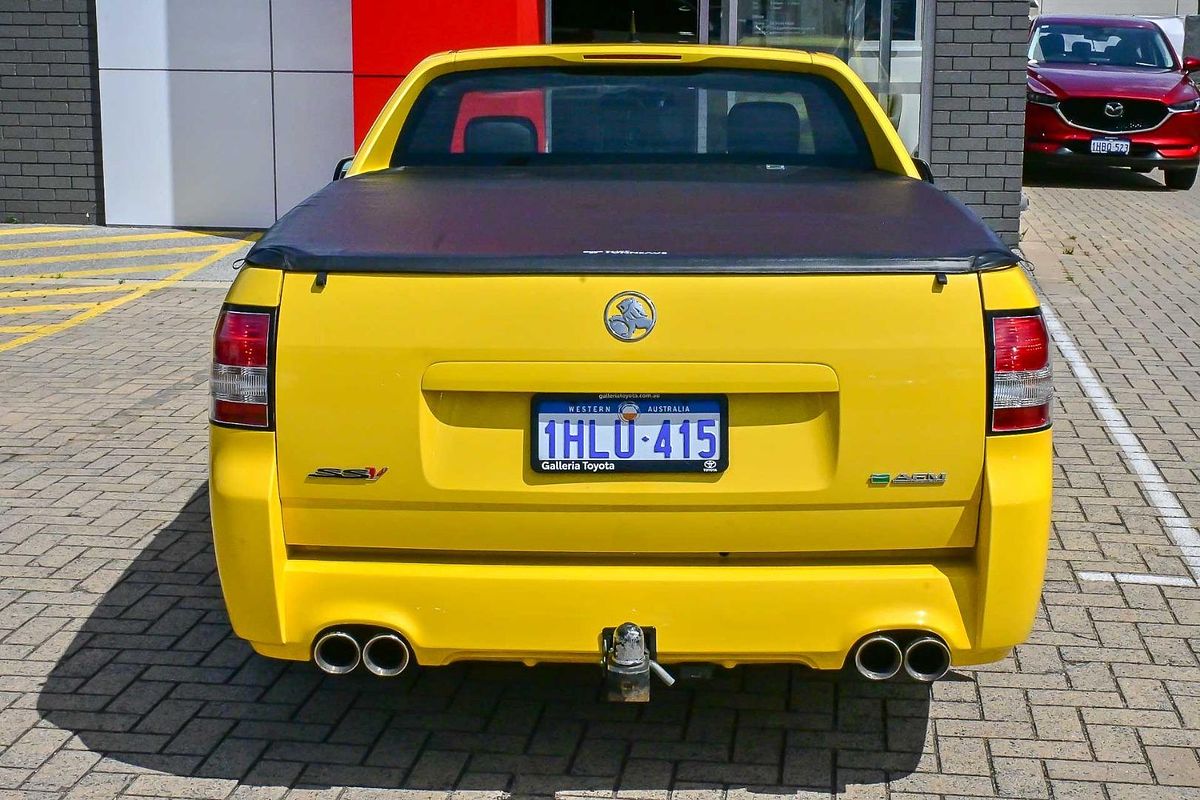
{"x": 907, "y": 479}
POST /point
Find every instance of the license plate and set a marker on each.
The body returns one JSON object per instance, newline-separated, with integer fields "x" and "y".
{"x": 1115, "y": 147}
{"x": 601, "y": 433}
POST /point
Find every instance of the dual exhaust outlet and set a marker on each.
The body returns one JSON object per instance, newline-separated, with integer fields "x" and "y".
{"x": 383, "y": 653}
{"x": 881, "y": 657}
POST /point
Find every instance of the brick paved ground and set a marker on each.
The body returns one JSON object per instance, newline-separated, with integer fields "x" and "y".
{"x": 119, "y": 676}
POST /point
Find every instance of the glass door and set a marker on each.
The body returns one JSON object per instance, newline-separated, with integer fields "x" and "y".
{"x": 881, "y": 40}
{"x": 884, "y": 41}
{"x": 655, "y": 21}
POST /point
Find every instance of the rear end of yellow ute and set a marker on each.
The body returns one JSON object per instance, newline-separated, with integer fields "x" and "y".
{"x": 635, "y": 356}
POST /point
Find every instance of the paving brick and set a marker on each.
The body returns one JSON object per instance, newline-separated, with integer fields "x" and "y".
{"x": 171, "y": 786}
{"x": 1175, "y": 766}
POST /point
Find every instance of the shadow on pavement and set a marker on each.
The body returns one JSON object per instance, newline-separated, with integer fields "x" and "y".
{"x": 156, "y": 679}
{"x": 1093, "y": 178}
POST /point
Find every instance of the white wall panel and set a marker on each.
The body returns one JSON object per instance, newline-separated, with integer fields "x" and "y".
{"x": 311, "y": 35}
{"x": 314, "y": 127}
{"x": 197, "y": 130}
{"x": 184, "y": 34}
{"x": 136, "y": 147}
{"x": 221, "y": 124}
{"x": 187, "y": 148}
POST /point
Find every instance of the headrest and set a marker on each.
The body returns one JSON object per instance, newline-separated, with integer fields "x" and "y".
{"x": 1052, "y": 44}
{"x": 500, "y": 135}
{"x": 763, "y": 127}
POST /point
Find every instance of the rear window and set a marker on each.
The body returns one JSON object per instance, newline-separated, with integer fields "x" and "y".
{"x": 621, "y": 116}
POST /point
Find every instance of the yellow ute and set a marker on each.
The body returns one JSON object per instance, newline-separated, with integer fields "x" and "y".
{"x": 636, "y": 354}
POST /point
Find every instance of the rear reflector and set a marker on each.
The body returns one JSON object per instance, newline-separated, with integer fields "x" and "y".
{"x": 1006, "y": 420}
{"x": 253, "y": 415}
{"x": 1022, "y": 379}
{"x": 240, "y": 385}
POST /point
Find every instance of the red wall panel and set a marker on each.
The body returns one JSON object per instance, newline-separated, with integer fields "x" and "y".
{"x": 370, "y": 93}
{"x": 391, "y": 36}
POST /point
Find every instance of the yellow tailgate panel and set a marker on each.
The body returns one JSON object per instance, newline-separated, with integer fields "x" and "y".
{"x": 829, "y": 378}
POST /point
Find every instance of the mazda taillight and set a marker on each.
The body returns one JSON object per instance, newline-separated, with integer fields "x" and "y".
{"x": 1022, "y": 382}
{"x": 240, "y": 385}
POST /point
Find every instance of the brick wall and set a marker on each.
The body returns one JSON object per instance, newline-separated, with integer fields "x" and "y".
{"x": 979, "y": 106}
{"x": 49, "y": 164}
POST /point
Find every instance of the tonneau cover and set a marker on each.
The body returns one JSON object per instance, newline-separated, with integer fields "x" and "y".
{"x": 653, "y": 219}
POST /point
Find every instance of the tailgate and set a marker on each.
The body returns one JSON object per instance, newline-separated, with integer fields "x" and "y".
{"x": 828, "y": 379}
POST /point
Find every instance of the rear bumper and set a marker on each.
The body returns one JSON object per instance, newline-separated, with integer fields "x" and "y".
{"x": 1064, "y": 157}
{"x": 981, "y": 601}
{"x": 452, "y": 612}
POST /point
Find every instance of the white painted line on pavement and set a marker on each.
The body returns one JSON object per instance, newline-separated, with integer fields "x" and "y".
{"x": 1175, "y": 520}
{"x": 1133, "y": 577}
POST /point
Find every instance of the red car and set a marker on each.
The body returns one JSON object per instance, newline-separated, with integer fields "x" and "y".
{"x": 1111, "y": 91}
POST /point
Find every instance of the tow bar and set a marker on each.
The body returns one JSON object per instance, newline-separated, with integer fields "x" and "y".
{"x": 628, "y": 652}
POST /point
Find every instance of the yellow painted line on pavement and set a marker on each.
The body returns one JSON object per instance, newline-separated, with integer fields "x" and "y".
{"x": 109, "y": 305}
{"x": 36, "y": 229}
{"x": 67, "y": 275}
{"x": 98, "y": 289}
{"x": 84, "y": 240}
{"x": 37, "y": 309}
{"x": 27, "y": 262}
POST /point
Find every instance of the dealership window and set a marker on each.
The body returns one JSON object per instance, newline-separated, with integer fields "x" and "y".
{"x": 853, "y": 30}
{"x": 576, "y": 21}
{"x": 905, "y": 21}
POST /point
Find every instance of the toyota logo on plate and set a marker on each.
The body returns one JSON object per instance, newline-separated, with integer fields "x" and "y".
{"x": 1114, "y": 109}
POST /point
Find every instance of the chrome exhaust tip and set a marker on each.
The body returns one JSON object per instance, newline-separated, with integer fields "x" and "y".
{"x": 386, "y": 655}
{"x": 878, "y": 658}
{"x": 336, "y": 653}
{"x": 927, "y": 659}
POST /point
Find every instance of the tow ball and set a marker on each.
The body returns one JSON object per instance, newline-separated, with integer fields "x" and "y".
{"x": 628, "y": 652}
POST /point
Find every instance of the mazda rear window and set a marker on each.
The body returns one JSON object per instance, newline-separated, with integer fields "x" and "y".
{"x": 622, "y": 116}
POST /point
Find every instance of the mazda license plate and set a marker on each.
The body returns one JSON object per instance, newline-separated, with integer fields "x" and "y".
{"x": 1110, "y": 147}
{"x": 600, "y": 433}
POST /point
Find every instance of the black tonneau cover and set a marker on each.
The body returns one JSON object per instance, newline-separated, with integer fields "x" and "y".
{"x": 650, "y": 219}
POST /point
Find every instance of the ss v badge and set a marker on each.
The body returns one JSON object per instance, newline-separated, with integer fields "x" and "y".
{"x": 369, "y": 474}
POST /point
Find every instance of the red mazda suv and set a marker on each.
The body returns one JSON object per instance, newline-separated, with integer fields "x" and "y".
{"x": 1111, "y": 91}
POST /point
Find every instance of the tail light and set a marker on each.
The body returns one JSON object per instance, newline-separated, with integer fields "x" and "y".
{"x": 241, "y": 367}
{"x": 1022, "y": 381}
